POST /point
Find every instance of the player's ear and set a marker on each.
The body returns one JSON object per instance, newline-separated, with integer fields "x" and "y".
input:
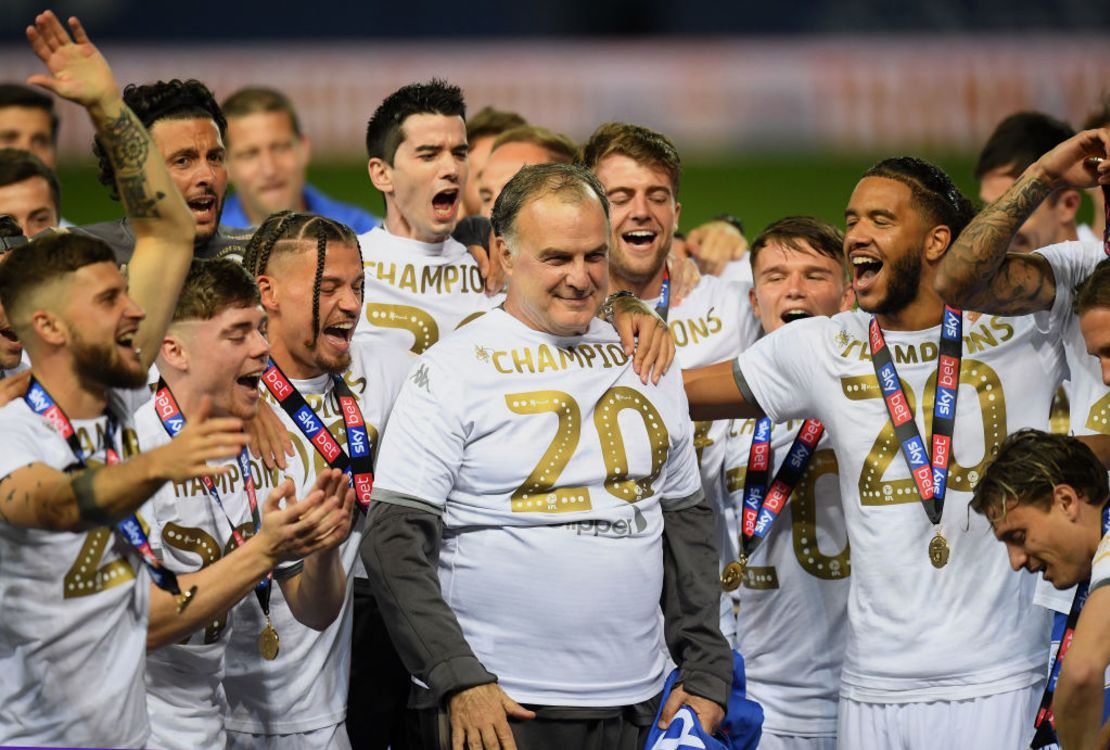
{"x": 936, "y": 243}
{"x": 754, "y": 303}
{"x": 172, "y": 353}
{"x": 381, "y": 175}
{"x": 267, "y": 290}
{"x": 49, "y": 327}
{"x": 508, "y": 260}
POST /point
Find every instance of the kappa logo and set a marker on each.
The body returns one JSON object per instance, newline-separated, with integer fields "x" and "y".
{"x": 482, "y": 353}
{"x": 420, "y": 378}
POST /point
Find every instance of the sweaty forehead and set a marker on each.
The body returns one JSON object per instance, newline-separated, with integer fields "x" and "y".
{"x": 880, "y": 194}
{"x": 172, "y": 134}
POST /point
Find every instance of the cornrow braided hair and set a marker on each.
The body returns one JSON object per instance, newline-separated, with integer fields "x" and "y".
{"x": 289, "y": 231}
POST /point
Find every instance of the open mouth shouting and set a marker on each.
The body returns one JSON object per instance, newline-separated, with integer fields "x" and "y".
{"x": 795, "y": 313}
{"x": 338, "y": 335}
{"x": 249, "y": 384}
{"x": 126, "y": 343}
{"x": 865, "y": 269}
{"x": 204, "y": 208}
{"x": 445, "y": 204}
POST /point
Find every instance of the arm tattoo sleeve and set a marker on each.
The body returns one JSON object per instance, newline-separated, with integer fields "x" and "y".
{"x": 85, "y": 494}
{"x": 128, "y": 147}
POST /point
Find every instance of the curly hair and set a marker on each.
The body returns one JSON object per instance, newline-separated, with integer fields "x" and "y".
{"x": 162, "y": 100}
{"x": 289, "y": 232}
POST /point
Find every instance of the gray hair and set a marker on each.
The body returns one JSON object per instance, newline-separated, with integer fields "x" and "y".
{"x": 571, "y": 182}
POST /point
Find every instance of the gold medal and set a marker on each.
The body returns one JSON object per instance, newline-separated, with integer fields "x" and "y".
{"x": 733, "y": 574}
{"x": 268, "y": 642}
{"x": 184, "y": 598}
{"x": 938, "y": 550}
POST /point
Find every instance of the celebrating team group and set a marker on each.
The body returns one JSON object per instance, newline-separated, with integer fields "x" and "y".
{"x": 275, "y": 473}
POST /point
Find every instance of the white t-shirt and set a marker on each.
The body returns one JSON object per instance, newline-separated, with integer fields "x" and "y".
{"x": 551, "y": 464}
{"x": 305, "y": 688}
{"x": 188, "y": 531}
{"x": 74, "y": 606}
{"x": 739, "y": 270}
{"x": 917, "y": 633}
{"x": 713, "y": 324}
{"x": 793, "y": 604}
{"x": 1088, "y": 396}
{"x": 418, "y": 292}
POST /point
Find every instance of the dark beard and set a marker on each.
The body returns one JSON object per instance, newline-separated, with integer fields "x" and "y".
{"x": 903, "y": 281}
{"x": 102, "y": 364}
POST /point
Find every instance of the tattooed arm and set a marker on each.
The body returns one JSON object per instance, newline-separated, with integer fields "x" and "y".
{"x": 978, "y": 273}
{"x": 38, "y": 496}
{"x": 163, "y": 225}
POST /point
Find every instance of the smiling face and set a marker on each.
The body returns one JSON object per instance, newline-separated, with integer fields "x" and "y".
{"x": 194, "y": 153}
{"x": 884, "y": 241}
{"x": 1049, "y": 540}
{"x": 101, "y": 320}
{"x": 559, "y": 270}
{"x": 423, "y": 186}
{"x": 224, "y": 358}
{"x": 644, "y": 214}
{"x": 287, "y": 295}
{"x": 266, "y": 161}
{"x": 793, "y": 283}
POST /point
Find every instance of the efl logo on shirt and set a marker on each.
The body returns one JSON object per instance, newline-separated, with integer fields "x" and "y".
{"x": 948, "y": 374}
{"x": 899, "y": 409}
{"x": 278, "y": 385}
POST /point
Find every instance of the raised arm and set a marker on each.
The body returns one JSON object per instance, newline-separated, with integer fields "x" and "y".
{"x": 977, "y": 272}
{"x": 163, "y": 226}
{"x": 39, "y": 497}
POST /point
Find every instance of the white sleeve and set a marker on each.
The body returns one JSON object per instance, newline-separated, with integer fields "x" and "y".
{"x": 1100, "y": 567}
{"x": 22, "y": 437}
{"x": 779, "y": 369}
{"x": 1071, "y": 263}
{"x": 422, "y": 449}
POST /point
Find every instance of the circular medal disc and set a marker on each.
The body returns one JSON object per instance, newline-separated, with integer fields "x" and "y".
{"x": 732, "y": 576}
{"x": 268, "y": 643}
{"x": 938, "y": 551}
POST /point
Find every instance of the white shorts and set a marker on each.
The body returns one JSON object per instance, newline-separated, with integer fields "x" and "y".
{"x": 328, "y": 738}
{"x": 793, "y": 742}
{"x": 996, "y": 722}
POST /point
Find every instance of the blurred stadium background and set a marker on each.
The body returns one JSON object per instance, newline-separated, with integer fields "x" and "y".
{"x": 777, "y": 107}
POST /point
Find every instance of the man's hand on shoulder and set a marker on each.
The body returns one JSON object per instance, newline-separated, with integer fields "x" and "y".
{"x": 480, "y": 718}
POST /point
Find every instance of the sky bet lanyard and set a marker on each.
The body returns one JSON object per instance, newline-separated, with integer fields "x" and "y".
{"x": 43, "y": 404}
{"x": 1045, "y": 723}
{"x": 1106, "y": 227}
{"x": 174, "y": 421}
{"x": 359, "y": 466}
{"x": 762, "y": 504}
{"x": 929, "y": 470}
